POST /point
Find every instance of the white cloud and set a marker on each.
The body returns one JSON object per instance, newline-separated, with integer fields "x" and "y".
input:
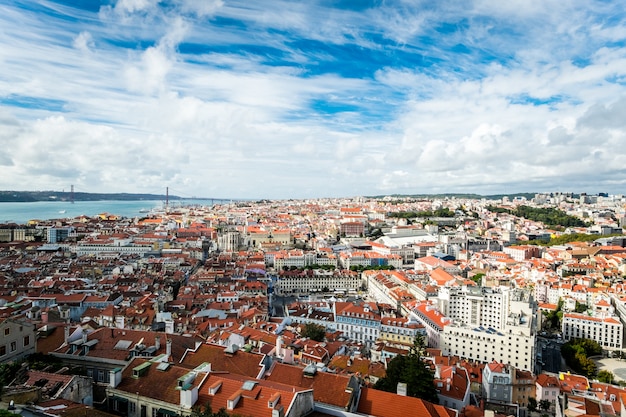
{"x": 84, "y": 42}
{"x": 201, "y": 8}
{"x": 134, "y": 6}
{"x": 229, "y": 98}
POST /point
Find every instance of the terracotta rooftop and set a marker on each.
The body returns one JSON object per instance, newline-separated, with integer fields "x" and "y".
{"x": 151, "y": 378}
{"x": 327, "y": 388}
{"x": 386, "y": 404}
{"x": 251, "y": 396}
{"x": 243, "y": 363}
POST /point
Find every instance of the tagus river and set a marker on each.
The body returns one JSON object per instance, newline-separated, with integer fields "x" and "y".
{"x": 21, "y": 213}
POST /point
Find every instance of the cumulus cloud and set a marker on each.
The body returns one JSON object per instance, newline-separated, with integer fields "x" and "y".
{"x": 233, "y": 98}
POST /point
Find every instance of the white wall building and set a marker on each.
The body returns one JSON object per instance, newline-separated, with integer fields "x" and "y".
{"x": 608, "y": 331}
{"x": 490, "y": 324}
{"x": 318, "y": 280}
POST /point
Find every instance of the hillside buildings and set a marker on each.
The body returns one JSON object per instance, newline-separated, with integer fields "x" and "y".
{"x": 211, "y": 303}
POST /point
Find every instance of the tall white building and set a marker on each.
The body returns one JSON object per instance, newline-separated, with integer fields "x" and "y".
{"x": 490, "y": 324}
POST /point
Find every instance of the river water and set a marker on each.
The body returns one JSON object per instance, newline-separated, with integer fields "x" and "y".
{"x": 21, "y": 213}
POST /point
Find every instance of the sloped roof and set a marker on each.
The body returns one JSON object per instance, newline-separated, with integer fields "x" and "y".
{"x": 242, "y": 363}
{"x": 251, "y": 402}
{"x": 151, "y": 378}
{"x": 327, "y": 388}
{"x": 386, "y": 404}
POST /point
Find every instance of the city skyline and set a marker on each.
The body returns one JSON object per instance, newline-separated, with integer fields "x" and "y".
{"x": 280, "y": 99}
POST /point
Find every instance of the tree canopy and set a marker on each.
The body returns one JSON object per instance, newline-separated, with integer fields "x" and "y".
{"x": 532, "y": 404}
{"x": 440, "y": 212}
{"x": 549, "y": 216}
{"x": 411, "y": 370}
{"x": 606, "y": 376}
{"x": 207, "y": 412}
{"x": 576, "y": 353}
{"x": 314, "y": 332}
{"x": 545, "y": 405}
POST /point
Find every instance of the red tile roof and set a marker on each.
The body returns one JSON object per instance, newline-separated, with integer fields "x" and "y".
{"x": 249, "y": 402}
{"x": 243, "y": 363}
{"x": 386, "y": 404}
{"x": 327, "y": 388}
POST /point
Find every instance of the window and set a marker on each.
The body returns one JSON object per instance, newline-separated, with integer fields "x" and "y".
{"x": 3, "y": 350}
{"x": 26, "y": 341}
{"x": 7, "y": 331}
{"x": 13, "y": 346}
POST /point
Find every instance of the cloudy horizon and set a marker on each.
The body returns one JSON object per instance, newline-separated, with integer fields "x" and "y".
{"x": 306, "y": 99}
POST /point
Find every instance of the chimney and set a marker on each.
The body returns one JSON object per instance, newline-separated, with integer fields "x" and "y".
{"x": 447, "y": 384}
{"x": 66, "y": 330}
{"x": 188, "y": 397}
{"x": 231, "y": 403}
{"x": 84, "y": 335}
{"x": 157, "y": 342}
{"x": 115, "y": 377}
{"x": 279, "y": 346}
{"x": 401, "y": 389}
{"x": 44, "y": 316}
{"x": 168, "y": 349}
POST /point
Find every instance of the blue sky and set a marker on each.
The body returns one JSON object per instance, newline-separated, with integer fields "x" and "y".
{"x": 297, "y": 99}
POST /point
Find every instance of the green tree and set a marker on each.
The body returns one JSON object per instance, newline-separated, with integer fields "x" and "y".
{"x": 554, "y": 317}
{"x": 313, "y": 331}
{"x": 606, "y": 376}
{"x": 532, "y": 404}
{"x": 202, "y": 412}
{"x": 8, "y": 372}
{"x": 580, "y": 308}
{"x": 576, "y": 353}
{"x": 207, "y": 412}
{"x": 545, "y": 405}
{"x": 41, "y": 361}
{"x": 477, "y": 278}
{"x": 411, "y": 370}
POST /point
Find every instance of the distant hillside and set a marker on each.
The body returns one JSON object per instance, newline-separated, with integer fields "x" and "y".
{"x": 31, "y": 196}
{"x": 457, "y": 195}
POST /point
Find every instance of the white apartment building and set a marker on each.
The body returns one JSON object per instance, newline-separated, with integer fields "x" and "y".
{"x": 489, "y": 324}
{"x": 487, "y": 344}
{"x": 103, "y": 244}
{"x": 317, "y": 281}
{"x": 383, "y": 286}
{"x": 295, "y": 258}
{"x": 361, "y": 323}
{"x": 427, "y": 314}
{"x": 356, "y": 258}
{"x": 607, "y": 330}
{"x": 85, "y": 250}
{"x": 400, "y": 330}
{"x": 17, "y": 339}
{"x": 498, "y": 382}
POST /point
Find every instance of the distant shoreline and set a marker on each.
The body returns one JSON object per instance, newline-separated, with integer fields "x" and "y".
{"x": 62, "y": 196}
